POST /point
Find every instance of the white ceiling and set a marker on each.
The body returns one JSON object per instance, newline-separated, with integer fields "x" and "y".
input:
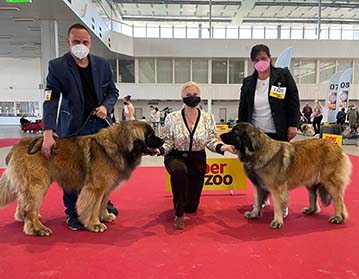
{"x": 25, "y": 38}
{"x": 235, "y": 12}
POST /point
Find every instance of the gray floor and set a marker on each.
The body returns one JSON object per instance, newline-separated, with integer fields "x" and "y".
{"x": 14, "y": 132}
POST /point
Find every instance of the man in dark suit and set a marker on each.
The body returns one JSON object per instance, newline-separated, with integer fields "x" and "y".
{"x": 85, "y": 83}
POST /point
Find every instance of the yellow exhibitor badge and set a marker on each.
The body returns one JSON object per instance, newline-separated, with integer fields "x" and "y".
{"x": 221, "y": 174}
{"x": 338, "y": 139}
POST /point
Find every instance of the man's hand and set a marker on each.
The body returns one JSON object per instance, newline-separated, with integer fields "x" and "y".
{"x": 101, "y": 112}
{"x": 292, "y": 132}
{"x": 47, "y": 144}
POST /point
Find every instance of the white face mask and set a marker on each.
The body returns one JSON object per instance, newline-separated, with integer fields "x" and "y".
{"x": 80, "y": 51}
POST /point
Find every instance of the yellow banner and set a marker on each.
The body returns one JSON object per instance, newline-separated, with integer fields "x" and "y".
{"x": 221, "y": 174}
{"x": 338, "y": 139}
{"x": 221, "y": 128}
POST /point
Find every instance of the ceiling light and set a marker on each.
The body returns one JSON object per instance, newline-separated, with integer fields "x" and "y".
{"x": 6, "y": 36}
{"x": 9, "y": 9}
{"x": 33, "y": 28}
{"x": 20, "y": 19}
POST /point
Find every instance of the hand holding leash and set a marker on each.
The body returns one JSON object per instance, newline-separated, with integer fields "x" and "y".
{"x": 48, "y": 145}
{"x": 101, "y": 112}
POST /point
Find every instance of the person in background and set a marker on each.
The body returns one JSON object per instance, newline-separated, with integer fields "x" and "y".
{"x": 307, "y": 112}
{"x": 269, "y": 99}
{"x": 353, "y": 115}
{"x": 129, "y": 109}
{"x": 341, "y": 115}
{"x": 88, "y": 91}
{"x": 186, "y": 134}
{"x": 317, "y": 116}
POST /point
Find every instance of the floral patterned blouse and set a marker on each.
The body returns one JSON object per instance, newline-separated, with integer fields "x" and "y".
{"x": 178, "y": 136}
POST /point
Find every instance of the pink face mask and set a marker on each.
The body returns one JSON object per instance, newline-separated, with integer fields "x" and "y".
{"x": 262, "y": 66}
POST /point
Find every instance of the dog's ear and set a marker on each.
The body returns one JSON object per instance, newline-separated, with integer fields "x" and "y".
{"x": 248, "y": 142}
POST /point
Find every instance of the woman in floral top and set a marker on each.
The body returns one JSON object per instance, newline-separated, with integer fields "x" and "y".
{"x": 186, "y": 134}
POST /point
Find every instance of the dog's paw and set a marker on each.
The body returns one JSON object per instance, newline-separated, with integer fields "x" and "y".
{"x": 309, "y": 211}
{"x": 39, "y": 232}
{"x": 251, "y": 214}
{"x": 336, "y": 220}
{"x": 97, "y": 227}
{"x": 108, "y": 218}
{"x": 276, "y": 224}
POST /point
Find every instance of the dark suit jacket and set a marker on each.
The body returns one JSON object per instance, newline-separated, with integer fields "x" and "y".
{"x": 64, "y": 78}
{"x": 286, "y": 112}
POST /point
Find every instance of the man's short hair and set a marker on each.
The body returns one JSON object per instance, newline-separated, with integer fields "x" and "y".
{"x": 77, "y": 26}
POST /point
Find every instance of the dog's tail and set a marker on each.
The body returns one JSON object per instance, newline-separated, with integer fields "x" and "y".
{"x": 324, "y": 195}
{"x": 7, "y": 190}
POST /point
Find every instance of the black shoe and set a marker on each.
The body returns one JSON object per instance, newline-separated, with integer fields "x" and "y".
{"x": 111, "y": 208}
{"x": 74, "y": 223}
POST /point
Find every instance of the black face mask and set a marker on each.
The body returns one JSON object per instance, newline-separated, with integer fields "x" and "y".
{"x": 125, "y": 103}
{"x": 192, "y": 101}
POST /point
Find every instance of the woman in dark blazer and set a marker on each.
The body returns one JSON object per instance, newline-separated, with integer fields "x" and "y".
{"x": 269, "y": 97}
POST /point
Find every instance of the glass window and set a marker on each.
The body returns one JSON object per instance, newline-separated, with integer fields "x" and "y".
{"x": 308, "y": 72}
{"x": 127, "y": 71}
{"x": 27, "y": 108}
{"x": 182, "y": 70}
{"x": 127, "y": 29}
{"x": 245, "y": 33}
{"x": 232, "y": 32}
{"x": 146, "y": 70}
{"x": 344, "y": 64}
{"x": 7, "y": 109}
{"x": 219, "y": 33}
{"x": 271, "y": 33}
{"x": 327, "y": 69}
{"x": 200, "y": 70}
{"x": 310, "y": 33}
{"x": 139, "y": 31}
{"x": 113, "y": 63}
{"x": 297, "y": 33}
{"x": 356, "y": 34}
{"x": 179, "y": 31}
{"x": 356, "y": 72}
{"x": 285, "y": 33}
{"x": 258, "y": 33}
{"x": 164, "y": 71}
{"x": 166, "y": 31}
{"x": 153, "y": 31}
{"x": 205, "y": 32}
{"x": 334, "y": 33}
{"x": 193, "y": 32}
{"x": 294, "y": 69}
{"x": 219, "y": 71}
{"x": 324, "y": 33}
{"x": 236, "y": 71}
{"x": 347, "y": 33}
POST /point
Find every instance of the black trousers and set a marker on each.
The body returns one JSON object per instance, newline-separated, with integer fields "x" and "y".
{"x": 316, "y": 123}
{"x": 187, "y": 170}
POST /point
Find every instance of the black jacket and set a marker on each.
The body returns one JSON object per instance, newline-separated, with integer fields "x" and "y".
{"x": 286, "y": 112}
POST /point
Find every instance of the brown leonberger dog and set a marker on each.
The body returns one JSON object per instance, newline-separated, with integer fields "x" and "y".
{"x": 276, "y": 167}
{"x": 92, "y": 165}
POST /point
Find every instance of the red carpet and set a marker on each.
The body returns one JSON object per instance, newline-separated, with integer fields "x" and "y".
{"x": 217, "y": 243}
{"x": 5, "y": 142}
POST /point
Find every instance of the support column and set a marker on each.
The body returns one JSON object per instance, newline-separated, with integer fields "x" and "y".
{"x": 209, "y": 105}
{"x": 49, "y": 45}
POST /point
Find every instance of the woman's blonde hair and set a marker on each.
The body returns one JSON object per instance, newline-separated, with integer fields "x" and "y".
{"x": 190, "y": 84}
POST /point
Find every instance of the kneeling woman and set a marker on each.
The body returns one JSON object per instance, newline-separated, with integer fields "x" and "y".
{"x": 186, "y": 134}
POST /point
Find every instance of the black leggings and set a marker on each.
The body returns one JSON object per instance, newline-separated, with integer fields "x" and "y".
{"x": 316, "y": 123}
{"x": 187, "y": 170}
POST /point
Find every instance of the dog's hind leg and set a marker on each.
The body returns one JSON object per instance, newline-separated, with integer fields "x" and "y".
{"x": 313, "y": 201}
{"x": 336, "y": 190}
{"x": 30, "y": 202}
{"x": 280, "y": 200}
{"x": 88, "y": 208}
{"x": 104, "y": 215}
